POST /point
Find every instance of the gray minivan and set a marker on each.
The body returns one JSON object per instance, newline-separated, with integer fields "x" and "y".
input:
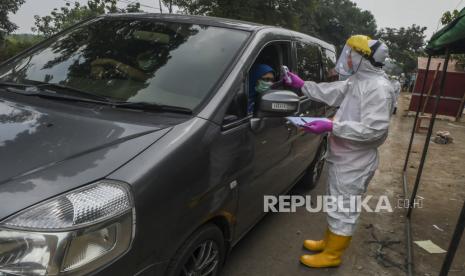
{"x": 127, "y": 146}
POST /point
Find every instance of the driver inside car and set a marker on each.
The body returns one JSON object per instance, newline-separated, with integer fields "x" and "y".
{"x": 261, "y": 79}
{"x": 99, "y": 69}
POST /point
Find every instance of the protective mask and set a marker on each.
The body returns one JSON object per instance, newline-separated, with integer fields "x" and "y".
{"x": 349, "y": 62}
{"x": 263, "y": 86}
{"x": 343, "y": 77}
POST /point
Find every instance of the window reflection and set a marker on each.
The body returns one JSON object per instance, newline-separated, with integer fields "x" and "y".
{"x": 133, "y": 60}
{"x": 309, "y": 65}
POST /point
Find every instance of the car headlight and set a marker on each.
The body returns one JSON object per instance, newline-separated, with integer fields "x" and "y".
{"x": 72, "y": 234}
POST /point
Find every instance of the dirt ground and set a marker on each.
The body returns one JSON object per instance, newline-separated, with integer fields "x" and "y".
{"x": 273, "y": 247}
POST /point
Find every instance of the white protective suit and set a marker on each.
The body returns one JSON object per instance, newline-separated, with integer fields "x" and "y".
{"x": 360, "y": 126}
{"x": 397, "y": 88}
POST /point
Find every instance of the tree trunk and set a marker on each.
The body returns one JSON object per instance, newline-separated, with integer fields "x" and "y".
{"x": 160, "y": 6}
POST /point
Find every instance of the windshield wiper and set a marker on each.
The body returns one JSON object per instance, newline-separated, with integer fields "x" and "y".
{"x": 72, "y": 89}
{"x": 152, "y": 106}
{"x": 13, "y": 84}
{"x": 34, "y": 91}
{"x": 44, "y": 90}
{"x": 37, "y": 87}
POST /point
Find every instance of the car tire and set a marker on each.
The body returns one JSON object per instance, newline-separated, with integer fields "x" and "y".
{"x": 314, "y": 171}
{"x": 202, "y": 254}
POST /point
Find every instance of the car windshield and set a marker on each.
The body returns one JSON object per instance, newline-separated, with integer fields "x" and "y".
{"x": 133, "y": 60}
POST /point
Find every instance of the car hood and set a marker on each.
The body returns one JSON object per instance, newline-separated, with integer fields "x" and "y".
{"x": 31, "y": 139}
{"x": 47, "y": 150}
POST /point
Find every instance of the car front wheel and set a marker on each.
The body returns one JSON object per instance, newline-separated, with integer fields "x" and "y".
{"x": 201, "y": 255}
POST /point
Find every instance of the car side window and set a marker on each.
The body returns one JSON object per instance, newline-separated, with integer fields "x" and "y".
{"x": 272, "y": 56}
{"x": 309, "y": 62}
{"x": 329, "y": 63}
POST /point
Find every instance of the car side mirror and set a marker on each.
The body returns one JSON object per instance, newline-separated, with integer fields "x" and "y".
{"x": 278, "y": 103}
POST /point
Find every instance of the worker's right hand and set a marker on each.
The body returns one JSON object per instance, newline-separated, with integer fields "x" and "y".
{"x": 319, "y": 126}
{"x": 293, "y": 81}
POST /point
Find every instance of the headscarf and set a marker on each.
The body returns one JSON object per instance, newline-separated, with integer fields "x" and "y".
{"x": 257, "y": 71}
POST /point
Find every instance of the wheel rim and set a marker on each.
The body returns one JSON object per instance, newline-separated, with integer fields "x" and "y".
{"x": 203, "y": 261}
{"x": 319, "y": 164}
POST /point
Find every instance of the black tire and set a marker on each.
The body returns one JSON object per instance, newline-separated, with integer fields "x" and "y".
{"x": 207, "y": 243}
{"x": 314, "y": 171}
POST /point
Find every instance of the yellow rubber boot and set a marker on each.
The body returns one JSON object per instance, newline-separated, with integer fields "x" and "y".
{"x": 314, "y": 245}
{"x": 331, "y": 255}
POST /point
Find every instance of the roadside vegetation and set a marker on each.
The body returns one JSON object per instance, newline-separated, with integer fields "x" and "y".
{"x": 330, "y": 20}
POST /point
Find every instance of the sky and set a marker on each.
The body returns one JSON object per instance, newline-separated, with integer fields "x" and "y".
{"x": 388, "y": 13}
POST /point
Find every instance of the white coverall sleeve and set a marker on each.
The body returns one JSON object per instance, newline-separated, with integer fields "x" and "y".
{"x": 375, "y": 114}
{"x": 331, "y": 93}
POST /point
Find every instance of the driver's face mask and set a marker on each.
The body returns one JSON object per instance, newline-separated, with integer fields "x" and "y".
{"x": 263, "y": 86}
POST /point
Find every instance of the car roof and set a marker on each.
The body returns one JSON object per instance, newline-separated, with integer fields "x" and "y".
{"x": 195, "y": 19}
{"x": 217, "y": 22}
{"x": 311, "y": 39}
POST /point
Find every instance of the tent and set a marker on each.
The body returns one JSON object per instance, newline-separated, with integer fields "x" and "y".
{"x": 451, "y": 37}
{"x": 449, "y": 40}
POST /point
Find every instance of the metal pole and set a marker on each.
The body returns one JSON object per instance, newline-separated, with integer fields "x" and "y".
{"x": 454, "y": 243}
{"x": 428, "y": 135}
{"x": 408, "y": 230}
{"x": 412, "y": 135}
{"x": 408, "y": 233}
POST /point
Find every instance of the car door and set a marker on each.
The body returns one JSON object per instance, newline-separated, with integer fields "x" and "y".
{"x": 271, "y": 157}
{"x": 309, "y": 67}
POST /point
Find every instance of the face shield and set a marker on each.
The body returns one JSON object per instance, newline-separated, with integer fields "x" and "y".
{"x": 348, "y": 63}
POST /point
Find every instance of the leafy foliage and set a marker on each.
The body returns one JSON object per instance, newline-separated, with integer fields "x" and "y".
{"x": 331, "y": 20}
{"x": 16, "y": 43}
{"x": 448, "y": 16}
{"x": 9, "y": 45}
{"x": 58, "y": 20}
{"x": 405, "y": 45}
{"x": 339, "y": 19}
{"x": 6, "y": 7}
{"x": 69, "y": 15}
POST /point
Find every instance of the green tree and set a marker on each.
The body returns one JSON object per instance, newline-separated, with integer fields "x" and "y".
{"x": 337, "y": 20}
{"x": 448, "y": 16}
{"x": 69, "y": 15}
{"x": 6, "y": 26}
{"x": 6, "y": 7}
{"x": 270, "y": 12}
{"x": 16, "y": 43}
{"x": 331, "y": 20}
{"x": 405, "y": 45}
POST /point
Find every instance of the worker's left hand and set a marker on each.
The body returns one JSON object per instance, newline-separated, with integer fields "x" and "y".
{"x": 319, "y": 126}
